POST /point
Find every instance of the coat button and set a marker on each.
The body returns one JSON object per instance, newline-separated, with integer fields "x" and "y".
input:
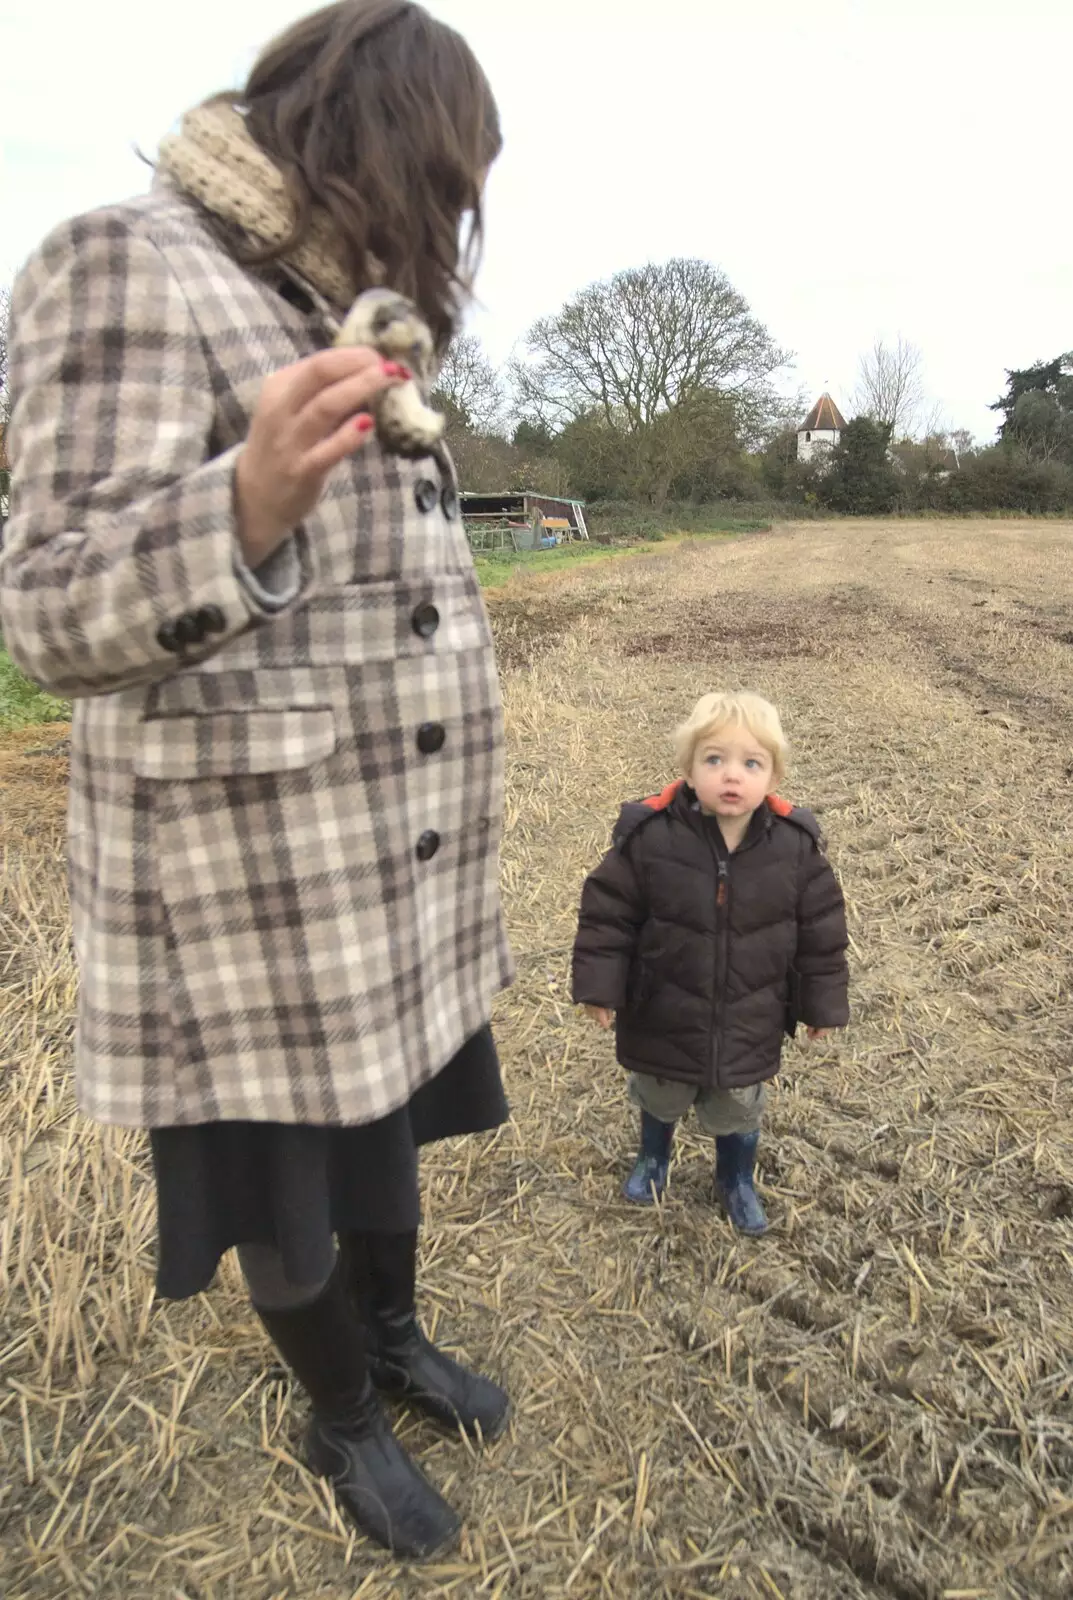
{"x": 425, "y": 620}
{"x": 427, "y": 845}
{"x": 449, "y": 502}
{"x": 211, "y": 620}
{"x": 167, "y": 638}
{"x": 426, "y": 494}
{"x": 431, "y": 737}
{"x": 188, "y": 630}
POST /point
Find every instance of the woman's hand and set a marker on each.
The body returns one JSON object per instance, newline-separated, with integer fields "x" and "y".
{"x": 600, "y": 1015}
{"x": 309, "y": 417}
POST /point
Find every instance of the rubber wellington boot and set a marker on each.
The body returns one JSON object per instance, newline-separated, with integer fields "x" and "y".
{"x": 647, "y": 1181}
{"x": 735, "y": 1159}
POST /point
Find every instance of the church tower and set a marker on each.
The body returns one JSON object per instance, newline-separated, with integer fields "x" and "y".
{"x": 821, "y": 429}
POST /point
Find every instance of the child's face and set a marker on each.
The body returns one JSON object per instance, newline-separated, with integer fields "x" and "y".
{"x": 731, "y": 773}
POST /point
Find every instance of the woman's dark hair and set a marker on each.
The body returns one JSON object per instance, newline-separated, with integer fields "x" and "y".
{"x": 381, "y": 116}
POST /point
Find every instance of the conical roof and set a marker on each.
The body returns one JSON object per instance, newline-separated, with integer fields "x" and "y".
{"x": 824, "y": 417}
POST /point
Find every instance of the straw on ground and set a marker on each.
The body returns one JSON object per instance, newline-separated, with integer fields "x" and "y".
{"x": 875, "y": 1400}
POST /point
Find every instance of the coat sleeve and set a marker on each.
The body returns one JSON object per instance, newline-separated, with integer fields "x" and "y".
{"x": 822, "y": 941}
{"x": 120, "y": 562}
{"x": 612, "y": 912}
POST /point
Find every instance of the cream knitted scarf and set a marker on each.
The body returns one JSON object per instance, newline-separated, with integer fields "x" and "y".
{"x": 214, "y": 159}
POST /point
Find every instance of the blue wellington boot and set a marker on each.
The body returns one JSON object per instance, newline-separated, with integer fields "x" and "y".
{"x": 647, "y": 1181}
{"x": 735, "y": 1158}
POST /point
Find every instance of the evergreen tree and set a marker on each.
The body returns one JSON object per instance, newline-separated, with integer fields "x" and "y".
{"x": 862, "y": 479}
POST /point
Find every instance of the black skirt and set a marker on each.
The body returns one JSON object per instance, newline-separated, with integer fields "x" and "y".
{"x": 221, "y": 1184}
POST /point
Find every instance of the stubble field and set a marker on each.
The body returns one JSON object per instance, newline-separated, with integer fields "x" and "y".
{"x": 875, "y": 1400}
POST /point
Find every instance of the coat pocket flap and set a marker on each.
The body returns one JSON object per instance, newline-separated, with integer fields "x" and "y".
{"x": 222, "y": 744}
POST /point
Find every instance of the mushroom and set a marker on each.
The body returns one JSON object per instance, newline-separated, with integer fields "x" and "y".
{"x": 392, "y": 325}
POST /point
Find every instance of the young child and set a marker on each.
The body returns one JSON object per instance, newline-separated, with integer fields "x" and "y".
{"x": 714, "y": 924}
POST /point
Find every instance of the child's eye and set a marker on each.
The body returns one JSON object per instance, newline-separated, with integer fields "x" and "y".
{"x": 752, "y": 762}
{"x": 714, "y": 761}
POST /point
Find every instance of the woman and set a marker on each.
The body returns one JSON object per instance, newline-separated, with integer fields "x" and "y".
{"x": 286, "y": 765}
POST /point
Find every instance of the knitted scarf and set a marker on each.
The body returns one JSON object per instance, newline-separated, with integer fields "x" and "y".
{"x": 215, "y": 161}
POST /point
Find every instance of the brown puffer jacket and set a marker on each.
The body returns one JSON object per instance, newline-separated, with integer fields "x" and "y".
{"x": 708, "y": 957}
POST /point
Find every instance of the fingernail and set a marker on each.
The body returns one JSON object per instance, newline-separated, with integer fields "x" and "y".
{"x": 395, "y": 369}
{"x": 364, "y": 423}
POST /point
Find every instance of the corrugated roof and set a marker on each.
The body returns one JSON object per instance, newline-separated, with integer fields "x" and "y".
{"x": 824, "y": 417}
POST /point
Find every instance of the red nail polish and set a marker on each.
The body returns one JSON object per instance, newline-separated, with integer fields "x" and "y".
{"x": 395, "y": 369}
{"x": 364, "y": 423}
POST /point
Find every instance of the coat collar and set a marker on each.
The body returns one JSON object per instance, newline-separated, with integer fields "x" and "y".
{"x": 678, "y": 799}
{"x": 682, "y": 796}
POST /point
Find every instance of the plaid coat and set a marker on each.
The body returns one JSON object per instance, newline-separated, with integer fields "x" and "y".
{"x": 286, "y": 786}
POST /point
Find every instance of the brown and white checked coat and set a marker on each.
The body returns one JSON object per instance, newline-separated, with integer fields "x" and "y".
{"x": 286, "y": 788}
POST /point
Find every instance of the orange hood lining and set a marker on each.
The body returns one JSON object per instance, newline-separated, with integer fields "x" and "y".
{"x": 660, "y": 802}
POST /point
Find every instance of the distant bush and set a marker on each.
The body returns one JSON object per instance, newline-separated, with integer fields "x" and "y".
{"x": 627, "y": 520}
{"x": 1002, "y": 478}
{"x": 861, "y": 478}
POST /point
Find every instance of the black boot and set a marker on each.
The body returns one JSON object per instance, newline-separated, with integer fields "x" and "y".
{"x": 403, "y": 1363}
{"x": 349, "y": 1440}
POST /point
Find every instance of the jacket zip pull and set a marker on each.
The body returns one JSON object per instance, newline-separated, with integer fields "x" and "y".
{"x": 721, "y": 891}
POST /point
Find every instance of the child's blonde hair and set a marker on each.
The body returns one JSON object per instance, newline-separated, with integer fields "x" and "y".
{"x": 713, "y": 712}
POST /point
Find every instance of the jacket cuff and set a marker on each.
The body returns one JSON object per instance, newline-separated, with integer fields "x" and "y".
{"x": 277, "y": 582}
{"x": 824, "y": 1016}
{"x": 601, "y": 989}
{"x": 227, "y": 594}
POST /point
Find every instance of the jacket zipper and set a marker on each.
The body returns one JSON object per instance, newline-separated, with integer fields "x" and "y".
{"x": 721, "y": 956}
{"x": 722, "y": 950}
{"x": 722, "y": 901}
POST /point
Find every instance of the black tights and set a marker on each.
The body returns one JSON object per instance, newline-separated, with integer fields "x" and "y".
{"x": 267, "y": 1280}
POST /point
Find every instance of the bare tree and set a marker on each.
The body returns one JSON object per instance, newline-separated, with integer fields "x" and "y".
{"x": 962, "y": 443}
{"x": 890, "y": 387}
{"x": 641, "y": 343}
{"x": 469, "y": 388}
{"x": 932, "y": 423}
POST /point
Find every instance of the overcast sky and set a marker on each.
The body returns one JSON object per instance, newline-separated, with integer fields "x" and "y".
{"x": 857, "y": 167}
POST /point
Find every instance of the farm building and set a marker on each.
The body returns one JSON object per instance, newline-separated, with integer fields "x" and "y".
{"x": 821, "y": 429}
{"x": 522, "y": 521}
